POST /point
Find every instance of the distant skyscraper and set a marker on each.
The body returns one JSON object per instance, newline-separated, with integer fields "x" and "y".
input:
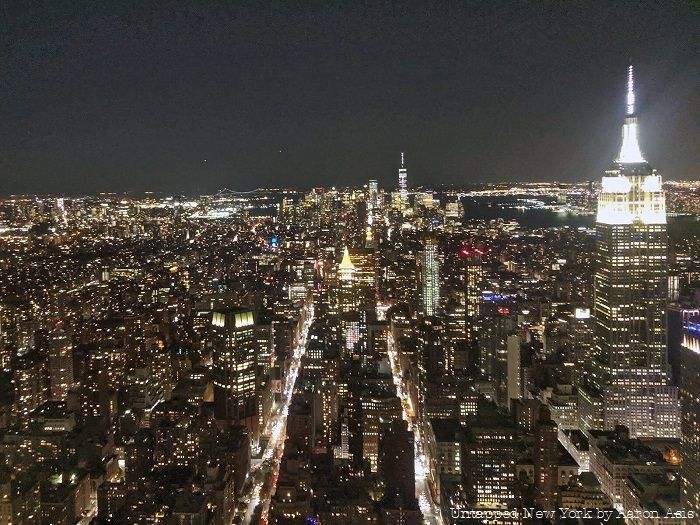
{"x": 628, "y": 380}
{"x": 430, "y": 276}
{"x": 403, "y": 181}
{"x": 372, "y": 212}
{"x": 348, "y": 296}
{"x": 349, "y": 300}
{"x": 473, "y": 276}
{"x": 372, "y": 200}
{"x": 61, "y": 210}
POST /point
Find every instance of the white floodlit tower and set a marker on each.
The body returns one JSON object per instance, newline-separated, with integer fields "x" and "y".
{"x": 628, "y": 381}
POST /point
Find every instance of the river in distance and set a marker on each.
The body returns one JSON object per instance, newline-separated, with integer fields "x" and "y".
{"x": 506, "y": 208}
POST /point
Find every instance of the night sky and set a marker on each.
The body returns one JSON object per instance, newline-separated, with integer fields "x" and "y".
{"x": 193, "y": 97}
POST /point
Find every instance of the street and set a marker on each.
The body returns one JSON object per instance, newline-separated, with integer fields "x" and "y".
{"x": 262, "y": 478}
{"x": 429, "y": 508}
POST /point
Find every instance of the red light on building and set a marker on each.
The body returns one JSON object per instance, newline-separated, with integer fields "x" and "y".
{"x": 468, "y": 251}
{"x": 503, "y": 310}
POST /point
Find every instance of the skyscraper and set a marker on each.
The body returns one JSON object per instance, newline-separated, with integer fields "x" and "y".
{"x": 234, "y": 367}
{"x": 348, "y": 305}
{"x": 545, "y": 461}
{"x": 347, "y": 290}
{"x": 490, "y": 459}
{"x": 628, "y": 380}
{"x": 372, "y": 200}
{"x": 397, "y": 466}
{"x": 60, "y": 365}
{"x": 403, "y": 182}
{"x": 473, "y": 277}
{"x": 430, "y": 277}
{"x": 690, "y": 425}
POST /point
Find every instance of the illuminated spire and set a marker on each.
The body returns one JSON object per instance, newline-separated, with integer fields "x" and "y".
{"x": 630, "y": 152}
{"x": 630, "y": 90}
{"x": 346, "y": 263}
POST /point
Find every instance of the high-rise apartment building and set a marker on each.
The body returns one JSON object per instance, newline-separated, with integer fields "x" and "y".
{"x": 60, "y": 365}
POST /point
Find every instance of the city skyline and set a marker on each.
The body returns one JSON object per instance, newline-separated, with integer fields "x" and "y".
{"x": 200, "y": 98}
{"x": 390, "y": 349}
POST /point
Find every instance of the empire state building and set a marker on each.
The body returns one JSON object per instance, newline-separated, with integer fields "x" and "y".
{"x": 627, "y": 381}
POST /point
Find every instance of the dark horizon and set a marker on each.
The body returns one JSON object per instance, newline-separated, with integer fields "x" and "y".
{"x": 190, "y": 98}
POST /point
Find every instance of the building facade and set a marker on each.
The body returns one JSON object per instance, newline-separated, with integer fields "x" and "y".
{"x": 628, "y": 380}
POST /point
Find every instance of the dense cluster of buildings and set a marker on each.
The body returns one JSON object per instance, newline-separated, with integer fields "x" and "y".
{"x": 351, "y": 355}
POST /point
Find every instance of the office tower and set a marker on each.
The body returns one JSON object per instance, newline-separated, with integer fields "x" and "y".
{"x": 580, "y": 328}
{"x": 628, "y": 381}
{"x": 449, "y": 436}
{"x": 60, "y": 365}
{"x": 373, "y": 212}
{"x": 403, "y": 183}
{"x": 434, "y": 356}
{"x": 429, "y": 262}
{"x": 514, "y": 385}
{"x": 348, "y": 300}
{"x": 546, "y": 461}
{"x": 490, "y": 459}
{"x": 378, "y": 409}
{"x": 326, "y": 392}
{"x": 689, "y": 393}
{"x": 454, "y": 214}
{"x": 301, "y": 434}
{"x": 234, "y": 367}
{"x": 365, "y": 277}
{"x": 396, "y": 464}
{"x": 372, "y": 200}
{"x": 473, "y": 277}
{"x": 499, "y": 323}
{"x": 377, "y": 333}
{"x": 264, "y": 344}
{"x": 342, "y": 451}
